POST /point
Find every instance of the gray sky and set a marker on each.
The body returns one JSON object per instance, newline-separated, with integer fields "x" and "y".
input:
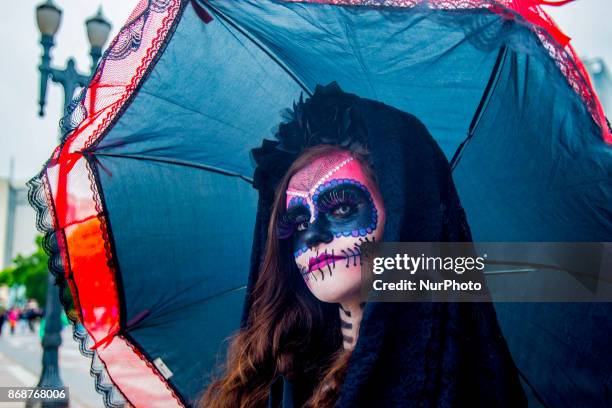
{"x": 30, "y": 139}
{"x": 23, "y": 134}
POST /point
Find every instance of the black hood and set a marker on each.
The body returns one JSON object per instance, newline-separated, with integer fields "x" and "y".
{"x": 407, "y": 354}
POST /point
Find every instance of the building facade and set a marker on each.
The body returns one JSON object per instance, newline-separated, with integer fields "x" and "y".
{"x": 17, "y": 228}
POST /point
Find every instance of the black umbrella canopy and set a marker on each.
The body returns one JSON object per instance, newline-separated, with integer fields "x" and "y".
{"x": 149, "y": 209}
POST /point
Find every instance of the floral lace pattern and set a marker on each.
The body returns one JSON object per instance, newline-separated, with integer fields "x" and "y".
{"x": 130, "y": 37}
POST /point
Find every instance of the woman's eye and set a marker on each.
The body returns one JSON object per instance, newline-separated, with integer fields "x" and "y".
{"x": 302, "y": 226}
{"x": 342, "y": 210}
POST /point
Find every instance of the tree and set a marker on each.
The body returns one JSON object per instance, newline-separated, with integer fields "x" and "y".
{"x": 30, "y": 271}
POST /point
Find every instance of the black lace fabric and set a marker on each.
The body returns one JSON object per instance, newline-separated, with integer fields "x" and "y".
{"x": 408, "y": 354}
{"x": 127, "y": 42}
{"x": 38, "y": 196}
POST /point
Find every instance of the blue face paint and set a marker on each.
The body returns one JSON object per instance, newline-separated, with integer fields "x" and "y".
{"x": 343, "y": 208}
{"x": 297, "y": 213}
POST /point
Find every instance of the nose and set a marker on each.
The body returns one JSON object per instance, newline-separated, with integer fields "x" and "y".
{"x": 316, "y": 235}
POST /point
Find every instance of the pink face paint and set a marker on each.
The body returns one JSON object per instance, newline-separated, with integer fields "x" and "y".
{"x": 332, "y": 209}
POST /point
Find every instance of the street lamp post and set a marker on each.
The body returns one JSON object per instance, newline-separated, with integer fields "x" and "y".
{"x": 48, "y": 18}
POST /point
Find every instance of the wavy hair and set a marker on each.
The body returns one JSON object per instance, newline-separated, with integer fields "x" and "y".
{"x": 288, "y": 332}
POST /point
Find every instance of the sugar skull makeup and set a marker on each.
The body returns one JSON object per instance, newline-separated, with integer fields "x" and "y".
{"x": 332, "y": 208}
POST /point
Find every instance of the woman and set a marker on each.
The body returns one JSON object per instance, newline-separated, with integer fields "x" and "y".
{"x": 13, "y": 318}
{"x": 348, "y": 170}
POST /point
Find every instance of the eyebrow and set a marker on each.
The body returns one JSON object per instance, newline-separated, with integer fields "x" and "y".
{"x": 296, "y": 208}
{"x": 341, "y": 185}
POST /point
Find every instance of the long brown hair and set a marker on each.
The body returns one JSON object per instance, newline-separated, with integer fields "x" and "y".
{"x": 288, "y": 330}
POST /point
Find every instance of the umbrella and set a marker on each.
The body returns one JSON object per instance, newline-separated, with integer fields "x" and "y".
{"x": 148, "y": 210}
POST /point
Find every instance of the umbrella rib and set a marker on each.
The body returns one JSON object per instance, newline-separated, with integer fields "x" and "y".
{"x": 156, "y": 314}
{"x": 536, "y": 394}
{"x": 493, "y": 79}
{"x": 269, "y": 53}
{"x": 178, "y": 163}
{"x": 164, "y": 303}
{"x": 539, "y": 266}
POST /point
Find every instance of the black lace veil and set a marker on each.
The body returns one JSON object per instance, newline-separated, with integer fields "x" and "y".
{"x": 408, "y": 354}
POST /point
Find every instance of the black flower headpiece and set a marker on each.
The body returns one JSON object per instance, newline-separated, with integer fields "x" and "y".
{"x": 330, "y": 116}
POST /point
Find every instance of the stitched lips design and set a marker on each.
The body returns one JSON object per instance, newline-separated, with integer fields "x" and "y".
{"x": 322, "y": 260}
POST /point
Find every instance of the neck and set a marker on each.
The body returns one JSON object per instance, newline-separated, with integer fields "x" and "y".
{"x": 350, "y": 318}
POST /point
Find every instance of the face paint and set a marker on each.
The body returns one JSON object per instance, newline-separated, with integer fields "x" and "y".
{"x": 332, "y": 208}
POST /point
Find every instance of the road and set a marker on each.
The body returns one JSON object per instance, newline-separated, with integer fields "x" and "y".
{"x": 20, "y": 366}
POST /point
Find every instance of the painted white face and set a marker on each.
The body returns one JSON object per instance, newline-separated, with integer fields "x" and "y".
{"x": 332, "y": 208}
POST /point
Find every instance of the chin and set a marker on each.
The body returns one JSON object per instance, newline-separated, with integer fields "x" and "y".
{"x": 344, "y": 284}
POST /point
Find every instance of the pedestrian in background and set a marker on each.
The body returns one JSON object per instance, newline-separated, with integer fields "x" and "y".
{"x": 31, "y": 314}
{"x": 13, "y": 317}
{"x": 2, "y": 318}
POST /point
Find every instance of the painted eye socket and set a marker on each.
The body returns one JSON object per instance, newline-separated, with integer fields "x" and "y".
{"x": 302, "y": 226}
{"x": 342, "y": 210}
{"x": 289, "y": 222}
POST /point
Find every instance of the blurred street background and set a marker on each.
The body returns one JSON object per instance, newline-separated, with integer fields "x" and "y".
{"x": 20, "y": 358}
{"x": 27, "y": 140}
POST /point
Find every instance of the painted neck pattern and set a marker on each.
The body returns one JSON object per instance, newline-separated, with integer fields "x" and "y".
{"x": 350, "y": 320}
